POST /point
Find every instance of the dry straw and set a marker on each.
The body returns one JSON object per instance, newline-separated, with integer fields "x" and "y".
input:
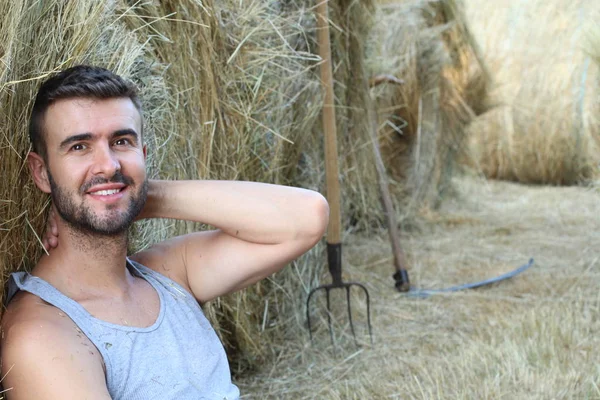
{"x": 231, "y": 91}
{"x": 546, "y": 130}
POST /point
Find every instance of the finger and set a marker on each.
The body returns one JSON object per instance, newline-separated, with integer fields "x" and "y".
{"x": 53, "y": 227}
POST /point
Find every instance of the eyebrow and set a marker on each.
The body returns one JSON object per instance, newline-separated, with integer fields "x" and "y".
{"x": 75, "y": 138}
{"x": 126, "y": 132}
{"x": 89, "y": 136}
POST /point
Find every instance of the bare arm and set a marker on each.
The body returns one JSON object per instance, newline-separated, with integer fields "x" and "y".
{"x": 44, "y": 359}
{"x": 260, "y": 228}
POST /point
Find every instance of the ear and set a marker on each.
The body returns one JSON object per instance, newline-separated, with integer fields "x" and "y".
{"x": 145, "y": 150}
{"x": 39, "y": 171}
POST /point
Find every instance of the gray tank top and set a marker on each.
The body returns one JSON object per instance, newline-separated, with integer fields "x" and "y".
{"x": 178, "y": 357}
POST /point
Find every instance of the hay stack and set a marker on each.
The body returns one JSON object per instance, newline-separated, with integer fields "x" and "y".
{"x": 429, "y": 46}
{"x": 546, "y": 130}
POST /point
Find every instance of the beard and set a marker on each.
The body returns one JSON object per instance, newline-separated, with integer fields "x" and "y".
{"x": 82, "y": 218}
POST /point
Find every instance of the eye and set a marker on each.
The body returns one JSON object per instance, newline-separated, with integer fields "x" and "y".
{"x": 78, "y": 147}
{"x": 122, "y": 142}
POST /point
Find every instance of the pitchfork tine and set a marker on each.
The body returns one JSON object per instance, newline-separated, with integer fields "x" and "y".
{"x": 368, "y": 311}
{"x": 308, "y": 312}
{"x": 350, "y": 313}
{"x": 329, "y": 324}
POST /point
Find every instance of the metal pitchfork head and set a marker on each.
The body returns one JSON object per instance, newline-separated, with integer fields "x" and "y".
{"x": 334, "y": 261}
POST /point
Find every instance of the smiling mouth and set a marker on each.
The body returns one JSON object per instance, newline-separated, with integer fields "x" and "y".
{"x": 106, "y": 192}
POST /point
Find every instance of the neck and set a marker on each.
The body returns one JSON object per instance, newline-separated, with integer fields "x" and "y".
{"x": 85, "y": 264}
{"x": 93, "y": 246}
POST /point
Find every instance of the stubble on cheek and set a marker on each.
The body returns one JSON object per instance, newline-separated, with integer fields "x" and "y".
{"x": 83, "y": 218}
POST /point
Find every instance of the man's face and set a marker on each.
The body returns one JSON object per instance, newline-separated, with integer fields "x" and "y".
{"x": 96, "y": 163}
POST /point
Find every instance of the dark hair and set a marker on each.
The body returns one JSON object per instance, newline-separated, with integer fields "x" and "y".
{"x": 78, "y": 81}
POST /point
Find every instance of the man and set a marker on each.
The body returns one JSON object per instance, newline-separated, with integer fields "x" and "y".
{"x": 90, "y": 322}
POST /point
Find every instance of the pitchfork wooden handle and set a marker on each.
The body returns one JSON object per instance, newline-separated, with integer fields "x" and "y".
{"x": 329, "y": 127}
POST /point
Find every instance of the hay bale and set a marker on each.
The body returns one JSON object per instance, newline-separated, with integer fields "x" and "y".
{"x": 423, "y": 122}
{"x": 546, "y": 130}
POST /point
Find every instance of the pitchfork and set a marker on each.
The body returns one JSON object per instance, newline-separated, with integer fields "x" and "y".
{"x": 334, "y": 245}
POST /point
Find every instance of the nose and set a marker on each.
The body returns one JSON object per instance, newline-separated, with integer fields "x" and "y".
{"x": 106, "y": 162}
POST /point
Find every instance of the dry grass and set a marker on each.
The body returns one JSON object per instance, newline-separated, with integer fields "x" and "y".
{"x": 546, "y": 130}
{"x": 534, "y": 337}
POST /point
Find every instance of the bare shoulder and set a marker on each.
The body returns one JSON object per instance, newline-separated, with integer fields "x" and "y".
{"x": 168, "y": 258}
{"x": 29, "y": 317}
{"x": 44, "y": 355}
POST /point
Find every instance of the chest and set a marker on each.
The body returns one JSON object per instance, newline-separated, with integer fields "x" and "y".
{"x": 140, "y": 308}
{"x": 181, "y": 359}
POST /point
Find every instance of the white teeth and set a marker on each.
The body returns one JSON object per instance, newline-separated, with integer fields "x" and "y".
{"x": 106, "y": 192}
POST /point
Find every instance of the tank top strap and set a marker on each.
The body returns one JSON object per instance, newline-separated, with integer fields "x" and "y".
{"x": 29, "y": 283}
{"x": 174, "y": 289}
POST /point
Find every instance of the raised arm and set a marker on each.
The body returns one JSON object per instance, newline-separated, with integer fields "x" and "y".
{"x": 260, "y": 228}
